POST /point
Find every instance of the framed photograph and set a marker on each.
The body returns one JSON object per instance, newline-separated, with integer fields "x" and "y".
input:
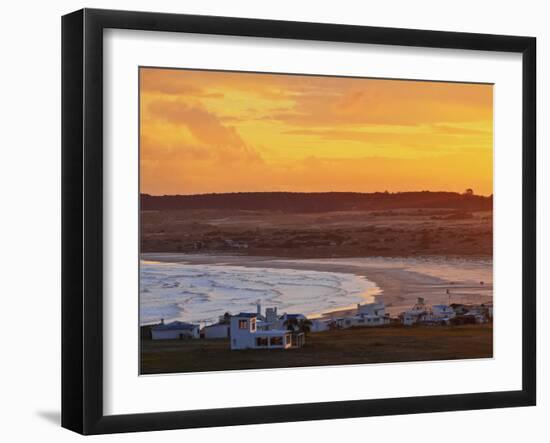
{"x": 269, "y": 221}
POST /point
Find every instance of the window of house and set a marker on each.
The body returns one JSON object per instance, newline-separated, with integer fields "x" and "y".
{"x": 287, "y": 339}
{"x": 261, "y": 341}
{"x": 243, "y": 324}
{"x": 253, "y": 325}
{"x": 276, "y": 341}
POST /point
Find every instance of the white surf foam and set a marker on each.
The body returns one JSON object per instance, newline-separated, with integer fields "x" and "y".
{"x": 201, "y": 293}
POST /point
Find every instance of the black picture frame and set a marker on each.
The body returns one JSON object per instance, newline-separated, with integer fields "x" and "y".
{"x": 82, "y": 219}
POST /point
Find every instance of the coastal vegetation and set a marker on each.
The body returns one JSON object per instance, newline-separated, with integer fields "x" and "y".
{"x": 319, "y": 225}
{"x": 385, "y": 344}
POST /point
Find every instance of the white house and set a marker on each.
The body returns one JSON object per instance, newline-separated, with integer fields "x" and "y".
{"x": 416, "y": 313}
{"x": 480, "y": 313}
{"x": 369, "y": 314}
{"x": 242, "y": 330}
{"x": 374, "y": 309}
{"x": 374, "y": 314}
{"x": 360, "y": 320}
{"x": 349, "y": 322}
{"x": 318, "y": 325}
{"x": 422, "y": 313}
{"x": 218, "y": 330}
{"x": 246, "y": 335}
{"x": 174, "y": 330}
{"x": 443, "y": 311}
{"x": 438, "y": 314}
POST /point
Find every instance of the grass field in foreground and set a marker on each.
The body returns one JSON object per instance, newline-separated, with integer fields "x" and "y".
{"x": 338, "y": 347}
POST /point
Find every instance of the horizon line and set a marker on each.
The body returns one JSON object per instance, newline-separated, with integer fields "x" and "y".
{"x": 314, "y": 192}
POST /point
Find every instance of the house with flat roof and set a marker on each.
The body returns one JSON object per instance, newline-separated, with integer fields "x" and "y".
{"x": 245, "y": 334}
{"x": 217, "y": 330}
{"x": 176, "y": 330}
{"x": 374, "y": 314}
{"x": 415, "y": 314}
{"x": 369, "y": 314}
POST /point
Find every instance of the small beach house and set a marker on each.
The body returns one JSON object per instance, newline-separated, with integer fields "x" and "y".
{"x": 437, "y": 315}
{"x": 428, "y": 315}
{"x": 318, "y": 325}
{"x": 480, "y": 313}
{"x": 370, "y": 314}
{"x": 217, "y": 330}
{"x": 416, "y": 313}
{"x": 245, "y": 334}
{"x": 175, "y": 330}
{"x": 473, "y": 313}
{"x": 375, "y": 309}
{"x": 374, "y": 314}
{"x": 360, "y": 321}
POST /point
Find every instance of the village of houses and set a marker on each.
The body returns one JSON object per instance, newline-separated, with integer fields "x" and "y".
{"x": 271, "y": 330}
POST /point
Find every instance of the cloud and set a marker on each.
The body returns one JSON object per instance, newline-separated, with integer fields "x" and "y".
{"x": 400, "y": 104}
{"x": 206, "y": 128}
{"x": 208, "y": 131}
{"x": 320, "y": 101}
{"x": 460, "y": 130}
{"x": 421, "y": 137}
{"x": 171, "y": 82}
{"x": 204, "y": 125}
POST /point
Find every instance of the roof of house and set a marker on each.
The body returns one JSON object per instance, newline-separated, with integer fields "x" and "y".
{"x": 246, "y": 314}
{"x": 175, "y": 325}
{"x": 376, "y": 305}
{"x": 217, "y": 324}
{"x": 296, "y": 316}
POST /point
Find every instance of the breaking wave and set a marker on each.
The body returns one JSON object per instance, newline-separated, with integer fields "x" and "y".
{"x": 201, "y": 293}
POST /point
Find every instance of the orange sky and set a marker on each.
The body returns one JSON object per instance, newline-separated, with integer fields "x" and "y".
{"x": 204, "y": 131}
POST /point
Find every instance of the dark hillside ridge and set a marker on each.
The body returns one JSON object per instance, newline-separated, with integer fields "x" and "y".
{"x": 318, "y": 201}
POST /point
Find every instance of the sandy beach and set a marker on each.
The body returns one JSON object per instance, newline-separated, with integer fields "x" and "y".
{"x": 399, "y": 280}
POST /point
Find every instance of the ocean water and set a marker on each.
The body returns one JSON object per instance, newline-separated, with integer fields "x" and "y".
{"x": 201, "y": 293}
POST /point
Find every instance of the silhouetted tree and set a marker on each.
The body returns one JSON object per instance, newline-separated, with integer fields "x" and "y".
{"x": 225, "y": 319}
{"x": 304, "y": 325}
{"x": 291, "y": 324}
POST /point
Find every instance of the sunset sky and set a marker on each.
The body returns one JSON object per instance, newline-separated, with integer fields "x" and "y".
{"x": 213, "y": 131}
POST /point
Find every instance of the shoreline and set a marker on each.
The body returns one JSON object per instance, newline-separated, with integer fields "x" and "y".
{"x": 400, "y": 280}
